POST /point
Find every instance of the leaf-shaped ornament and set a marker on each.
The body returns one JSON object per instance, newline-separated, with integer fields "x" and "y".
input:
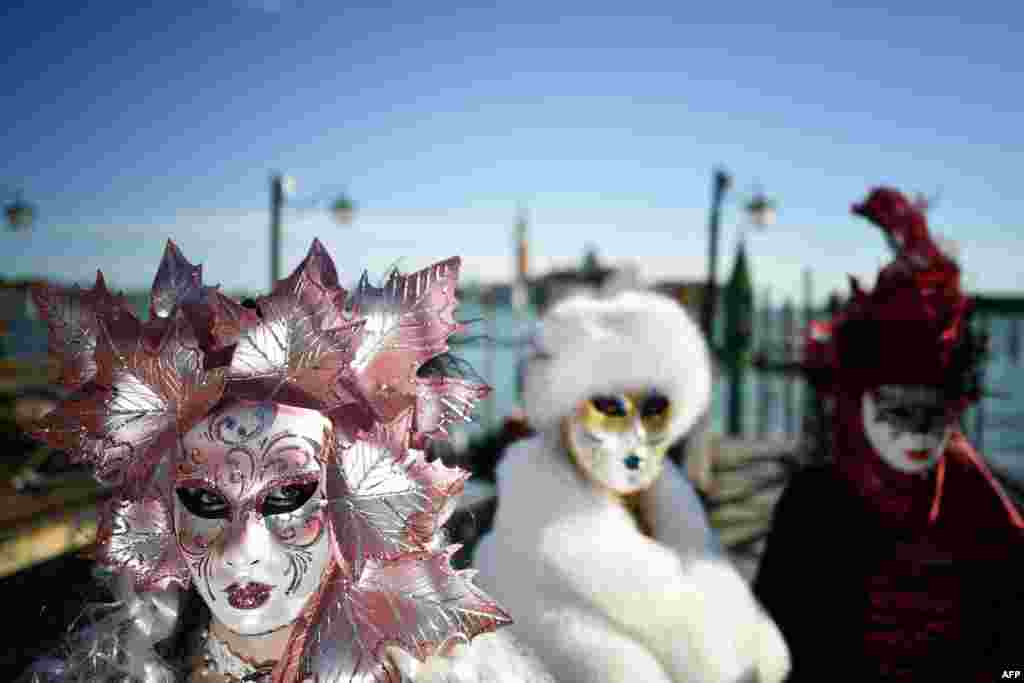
{"x": 72, "y": 322}
{"x": 177, "y": 282}
{"x": 315, "y": 279}
{"x": 441, "y": 401}
{"x": 407, "y": 322}
{"x": 418, "y": 603}
{"x": 301, "y": 347}
{"x": 136, "y": 535}
{"x": 290, "y": 357}
{"x": 385, "y": 500}
{"x": 129, "y": 417}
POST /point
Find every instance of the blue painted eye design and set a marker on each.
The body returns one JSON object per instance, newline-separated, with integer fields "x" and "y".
{"x": 243, "y": 424}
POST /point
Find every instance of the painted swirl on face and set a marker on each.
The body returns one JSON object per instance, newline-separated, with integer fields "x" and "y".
{"x": 279, "y": 486}
{"x": 249, "y": 515}
{"x": 299, "y": 561}
{"x": 237, "y": 427}
{"x": 304, "y": 525}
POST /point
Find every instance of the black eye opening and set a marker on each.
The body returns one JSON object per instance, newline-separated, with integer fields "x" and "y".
{"x": 612, "y": 406}
{"x": 203, "y": 503}
{"x": 251, "y": 303}
{"x": 654, "y": 405}
{"x": 288, "y": 498}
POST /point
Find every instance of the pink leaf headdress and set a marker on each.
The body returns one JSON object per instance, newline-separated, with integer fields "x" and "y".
{"x": 73, "y": 322}
{"x": 138, "y": 386}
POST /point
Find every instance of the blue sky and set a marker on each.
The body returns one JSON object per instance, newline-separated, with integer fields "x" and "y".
{"x": 129, "y": 126}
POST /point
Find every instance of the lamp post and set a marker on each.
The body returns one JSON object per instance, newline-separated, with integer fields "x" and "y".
{"x": 342, "y": 210}
{"x": 719, "y": 186}
{"x": 739, "y": 296}
{"x": 760, "y": 212}
{"x": 276, "y": 204}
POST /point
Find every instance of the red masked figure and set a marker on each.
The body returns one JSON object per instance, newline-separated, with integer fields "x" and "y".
{"x": 899, "y": 559}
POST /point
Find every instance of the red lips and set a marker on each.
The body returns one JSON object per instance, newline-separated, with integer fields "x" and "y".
{"x": 919, "y": 455}
{"x": 249, "y": 595}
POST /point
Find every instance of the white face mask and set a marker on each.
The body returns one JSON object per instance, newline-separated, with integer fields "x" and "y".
{"x": 906, "y": 425}
{"x": 620, "y": 440}
{"x": 248, "y": 512}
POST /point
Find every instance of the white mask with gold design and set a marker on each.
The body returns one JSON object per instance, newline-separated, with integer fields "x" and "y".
{"x": 619, "y": 441}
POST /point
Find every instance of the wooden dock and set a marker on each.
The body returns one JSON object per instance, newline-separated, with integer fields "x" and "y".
{"x": 741, "y": 481}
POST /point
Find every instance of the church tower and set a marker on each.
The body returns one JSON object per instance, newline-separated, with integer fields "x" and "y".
{"x": 521, "y": 286}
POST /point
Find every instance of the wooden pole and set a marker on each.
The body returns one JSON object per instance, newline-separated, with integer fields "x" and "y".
{"x": 788, "y": 384}
{"x": 979, "y": 410}
{"x": 808, "y": 402}
{"x": 1013, "y": 342}
{"x": 765, "y": 341}
{"x": 489, "y": 301}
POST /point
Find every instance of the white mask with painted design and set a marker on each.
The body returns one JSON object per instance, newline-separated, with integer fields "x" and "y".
{"x": 248, "y": 512}
{"x": 906, "y": 425}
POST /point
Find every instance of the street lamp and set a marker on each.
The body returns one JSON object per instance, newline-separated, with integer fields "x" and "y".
{"x": 342, "y": 209}
{"x": 20, "y": 213}
{"x": 739, "y": 302}
{"x": 761, "y": 212}
{"x": 720, "y": 184}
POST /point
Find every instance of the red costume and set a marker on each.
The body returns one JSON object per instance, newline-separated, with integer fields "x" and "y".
{"x": 880, "y": 570}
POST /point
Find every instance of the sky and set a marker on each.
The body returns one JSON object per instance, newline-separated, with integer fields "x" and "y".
{"x": 127, "y": 126}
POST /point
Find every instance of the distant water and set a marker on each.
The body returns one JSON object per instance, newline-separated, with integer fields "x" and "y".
{"x": 496, "y": 358}
{"x": 1002, "y": 440}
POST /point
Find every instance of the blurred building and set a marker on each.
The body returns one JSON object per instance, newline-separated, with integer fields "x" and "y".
{"x": 689, "y": 293}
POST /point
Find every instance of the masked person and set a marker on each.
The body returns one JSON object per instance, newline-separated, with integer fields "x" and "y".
{"x": 897, "y": 560}
{"x": 604, "y": 546}
{"x": 273, "y": 517}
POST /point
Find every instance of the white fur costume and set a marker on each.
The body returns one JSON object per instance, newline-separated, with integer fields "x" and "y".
{"x": 597, "y": 600}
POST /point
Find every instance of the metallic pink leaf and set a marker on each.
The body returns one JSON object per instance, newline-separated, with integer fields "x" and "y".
{"x": 136, "y": 535}
{"x": 314, "y": 279}
{"x": 301, "y": 348}
{"x": 122, "y": 422}
{"x": 177, "y": 282}
{"x": 407, "y": 322}
{"x": 418, "y": 603}
{"x": 71, "y": 316}
{"x": 219, "y": 320}
{"x": 71, "y": 425}
{"x": 381, "y": 503}
{"x": 440, "y": 401}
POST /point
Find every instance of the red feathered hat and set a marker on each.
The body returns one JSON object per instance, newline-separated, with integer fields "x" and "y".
{"x": 912, "y": 328}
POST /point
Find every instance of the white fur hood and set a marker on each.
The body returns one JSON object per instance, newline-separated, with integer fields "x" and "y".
{"x": 587, "y": 345}
{"x": 601, "y": 603}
